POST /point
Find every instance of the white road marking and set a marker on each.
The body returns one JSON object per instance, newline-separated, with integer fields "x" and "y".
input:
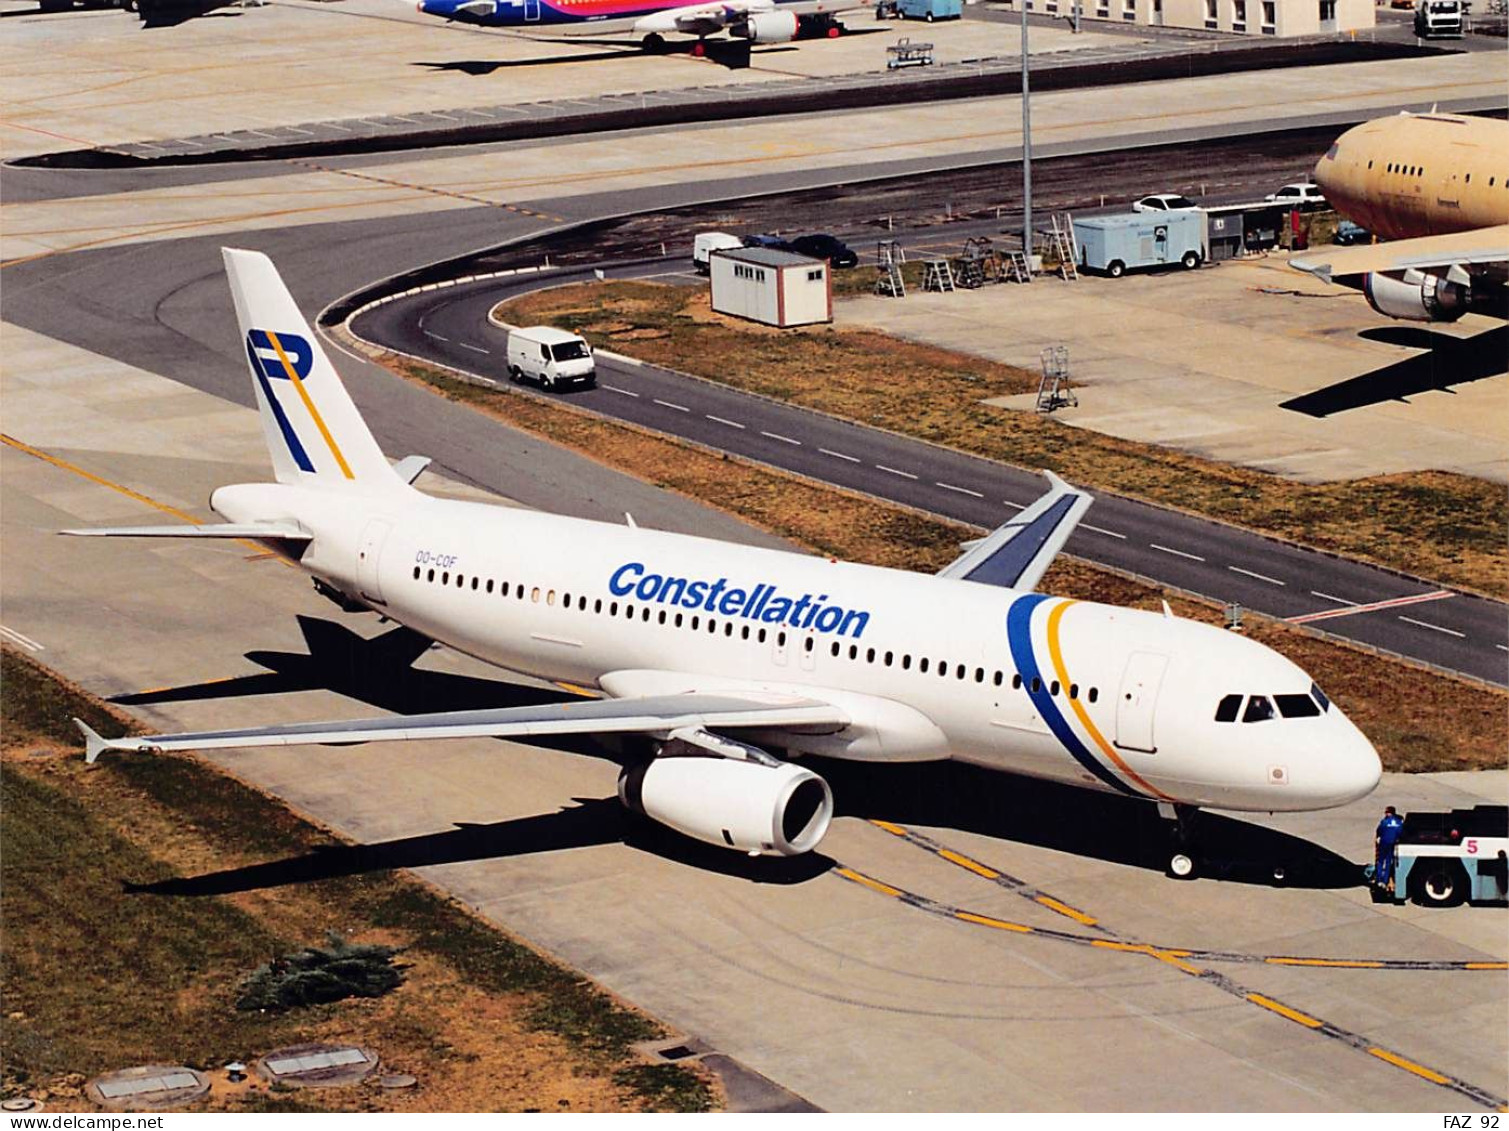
{"x": 1013, "y": 506}
{"x": 893, "y": 471}
{"x": 1328, "y": 597}
{"x": 16, "y": 638}
{"x": 671, "y": 404}
{"x": 437, "y": 337}
{"x": 730, "y": 423}
{"x": 1436, "y": 627}
{"x": 469, "y": 346}
{"x": 782, "y": 439}
{"x": 1502, "y": 647}
{"x": 838, "y": 455}
{"x": 1259, "y": 576}
{"x": 1103, "y": 530}
{"x": 616, "y": 389}
{"x": 1176, "y": 553}
{"x": 961, "y": 490}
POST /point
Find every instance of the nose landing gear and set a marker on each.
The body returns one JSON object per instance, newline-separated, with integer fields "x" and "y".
{"x": 1185, "y": 861}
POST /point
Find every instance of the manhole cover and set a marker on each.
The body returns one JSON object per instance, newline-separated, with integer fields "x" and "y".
{"x": 317, "y": 1066}
{"x": 151, "y": 1085}
{"x": 398, "y": 1080}
{"x": 19, "y": 1103}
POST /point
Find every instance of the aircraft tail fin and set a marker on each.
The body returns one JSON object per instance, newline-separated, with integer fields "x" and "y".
{"x": 314, "y": 432}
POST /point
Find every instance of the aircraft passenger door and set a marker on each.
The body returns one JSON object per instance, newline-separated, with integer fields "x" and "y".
{"x": 778, "y": 648}
{"x": 531, "y": 9}
{"x": 1137, "y": 699}
{"x": 369, "y": 557}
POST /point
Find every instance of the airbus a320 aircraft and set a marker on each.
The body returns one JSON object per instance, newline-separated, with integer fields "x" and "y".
{"x": 1436, "y": 186}
{"x": 758, "y": 21}
{"x": 734, "y": 661}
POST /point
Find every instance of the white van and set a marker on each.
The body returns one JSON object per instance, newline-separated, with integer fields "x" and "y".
{"x": 708, "y": 242}
{"x": 551, "y": 357}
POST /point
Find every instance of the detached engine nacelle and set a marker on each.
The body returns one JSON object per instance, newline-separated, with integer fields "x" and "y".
{"x": 769, "y": 27}
{"x": 1417, "y": 297}
{"x": 760, "y": 807}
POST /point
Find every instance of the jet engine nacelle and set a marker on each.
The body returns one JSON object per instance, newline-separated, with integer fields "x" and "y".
{"x": 755, "y": 807}
{"x": 1417, "y": 297}
{"x": 769, "y": 27}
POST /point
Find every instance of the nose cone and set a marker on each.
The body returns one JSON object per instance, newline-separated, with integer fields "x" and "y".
{"x": 1345, "y": 769}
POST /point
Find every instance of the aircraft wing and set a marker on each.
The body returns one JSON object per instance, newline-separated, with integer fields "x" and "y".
{"x": 1481, "y": 247}
{"x": 654, "y": 715}
{"x": 283, "y": 530}
{"x": 1018, "y": 553}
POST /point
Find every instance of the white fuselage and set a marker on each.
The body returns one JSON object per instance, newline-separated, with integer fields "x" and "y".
{"x": 924, "y": 667}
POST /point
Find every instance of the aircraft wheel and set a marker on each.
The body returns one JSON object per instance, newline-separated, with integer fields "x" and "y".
{"x": 834, "y": 31}
{"x": 1181, "y": 866}
{"x": 699, "y": 49}
{"x": 654, "y": 43}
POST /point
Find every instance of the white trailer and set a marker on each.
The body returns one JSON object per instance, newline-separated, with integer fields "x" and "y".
{"x": 778, "y": 288}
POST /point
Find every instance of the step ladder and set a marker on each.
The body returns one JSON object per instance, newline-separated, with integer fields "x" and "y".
{"x": 1016, "y": 268}
{"x": 1065, "y": 247}
{"x": 971, "y": 274}
{"x": 1053, "y": 390}
{"x": 938, "y": 275}
{"x": 888, "y": 280}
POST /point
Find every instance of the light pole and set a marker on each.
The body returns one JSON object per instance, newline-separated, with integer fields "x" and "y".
{"x": 1026, "y": 149}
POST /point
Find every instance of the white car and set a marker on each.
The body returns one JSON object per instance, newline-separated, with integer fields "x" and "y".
{"x": 1163, "y": 202}
{"x": 1303, "y": 193}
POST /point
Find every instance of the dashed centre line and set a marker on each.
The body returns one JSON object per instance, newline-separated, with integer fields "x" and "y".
{"x": 1176, "y": 553}
{"x": 839, "y": 455}
{"x": 1259, "y": 576}
{"x": 782, "y": 439}
{"x": 960, "y": 490}
{"x": 1103, "y": 530}
{"x": 671, "y": 404}
{"x": 437, "y": 337}
{"x": 730, "y": 423}
{"x": 616, "y": 389}
{"x": 1328, "y": 597}
{"x": 1434, "y": 627}
{"x": 475, "y": 349}
{"x": 893, "y": 471}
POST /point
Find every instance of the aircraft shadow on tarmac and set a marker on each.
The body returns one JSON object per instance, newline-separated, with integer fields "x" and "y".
{"x": 1447, "y": 361}
{"x": 946, "y": 795}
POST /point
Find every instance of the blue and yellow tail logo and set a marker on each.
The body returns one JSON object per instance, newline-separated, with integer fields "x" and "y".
{"x": 290, "y": 357}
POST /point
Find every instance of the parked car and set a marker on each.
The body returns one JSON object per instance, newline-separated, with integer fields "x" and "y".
{"x": 1300, "y": 194}
{"x": 774, "y": 243}
{"x": 1348, "y": 233}
{"x": 820, "y": 245}
{"x": 1163, "y": 202}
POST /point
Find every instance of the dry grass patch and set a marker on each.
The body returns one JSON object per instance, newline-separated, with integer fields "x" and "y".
{"x": 108, "y": 962}
{"x": 1418, "y": 720}
{"x": 1436, "y": 524}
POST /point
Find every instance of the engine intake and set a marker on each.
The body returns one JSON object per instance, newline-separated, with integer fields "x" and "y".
{"x": 769, "y": 27}
{"x": 760, "y": 807}
{"x": 1417, "y": 297}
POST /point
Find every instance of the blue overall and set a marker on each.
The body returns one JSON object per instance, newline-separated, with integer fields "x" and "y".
{"x": 1389, "y": 831}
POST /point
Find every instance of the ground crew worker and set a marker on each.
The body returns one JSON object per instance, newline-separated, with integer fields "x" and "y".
{"x": 1390, "y": 829}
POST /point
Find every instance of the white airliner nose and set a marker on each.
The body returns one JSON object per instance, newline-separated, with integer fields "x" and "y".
{"x": 1344, "y": 770}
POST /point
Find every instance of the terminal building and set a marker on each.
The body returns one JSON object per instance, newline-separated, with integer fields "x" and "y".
{"x": 1239, "y": 17}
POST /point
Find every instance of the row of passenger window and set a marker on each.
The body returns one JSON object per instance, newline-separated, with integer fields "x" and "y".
{"x": 1419, "y": 171}
{"x": 1261, "y": 708}
{"x": 745, "y": 632}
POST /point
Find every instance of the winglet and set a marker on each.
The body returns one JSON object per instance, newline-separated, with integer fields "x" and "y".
{"x": 95, "y": 744}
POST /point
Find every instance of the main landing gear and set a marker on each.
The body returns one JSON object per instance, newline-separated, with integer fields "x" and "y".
{"x": 1184, "y": 859}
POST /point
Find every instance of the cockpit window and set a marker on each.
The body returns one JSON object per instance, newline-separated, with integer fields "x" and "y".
{"x": 1320, "y": 697}
{"x": 1227, "y": 708}
{"x": 1296, "y": 706}
{"x": 1258, "y": 710}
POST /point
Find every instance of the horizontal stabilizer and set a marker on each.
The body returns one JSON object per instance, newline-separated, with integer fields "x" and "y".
{"x": 654, "y": 715}
{"x": 1017, "y": 554}
{"x": 259, "y": 530}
